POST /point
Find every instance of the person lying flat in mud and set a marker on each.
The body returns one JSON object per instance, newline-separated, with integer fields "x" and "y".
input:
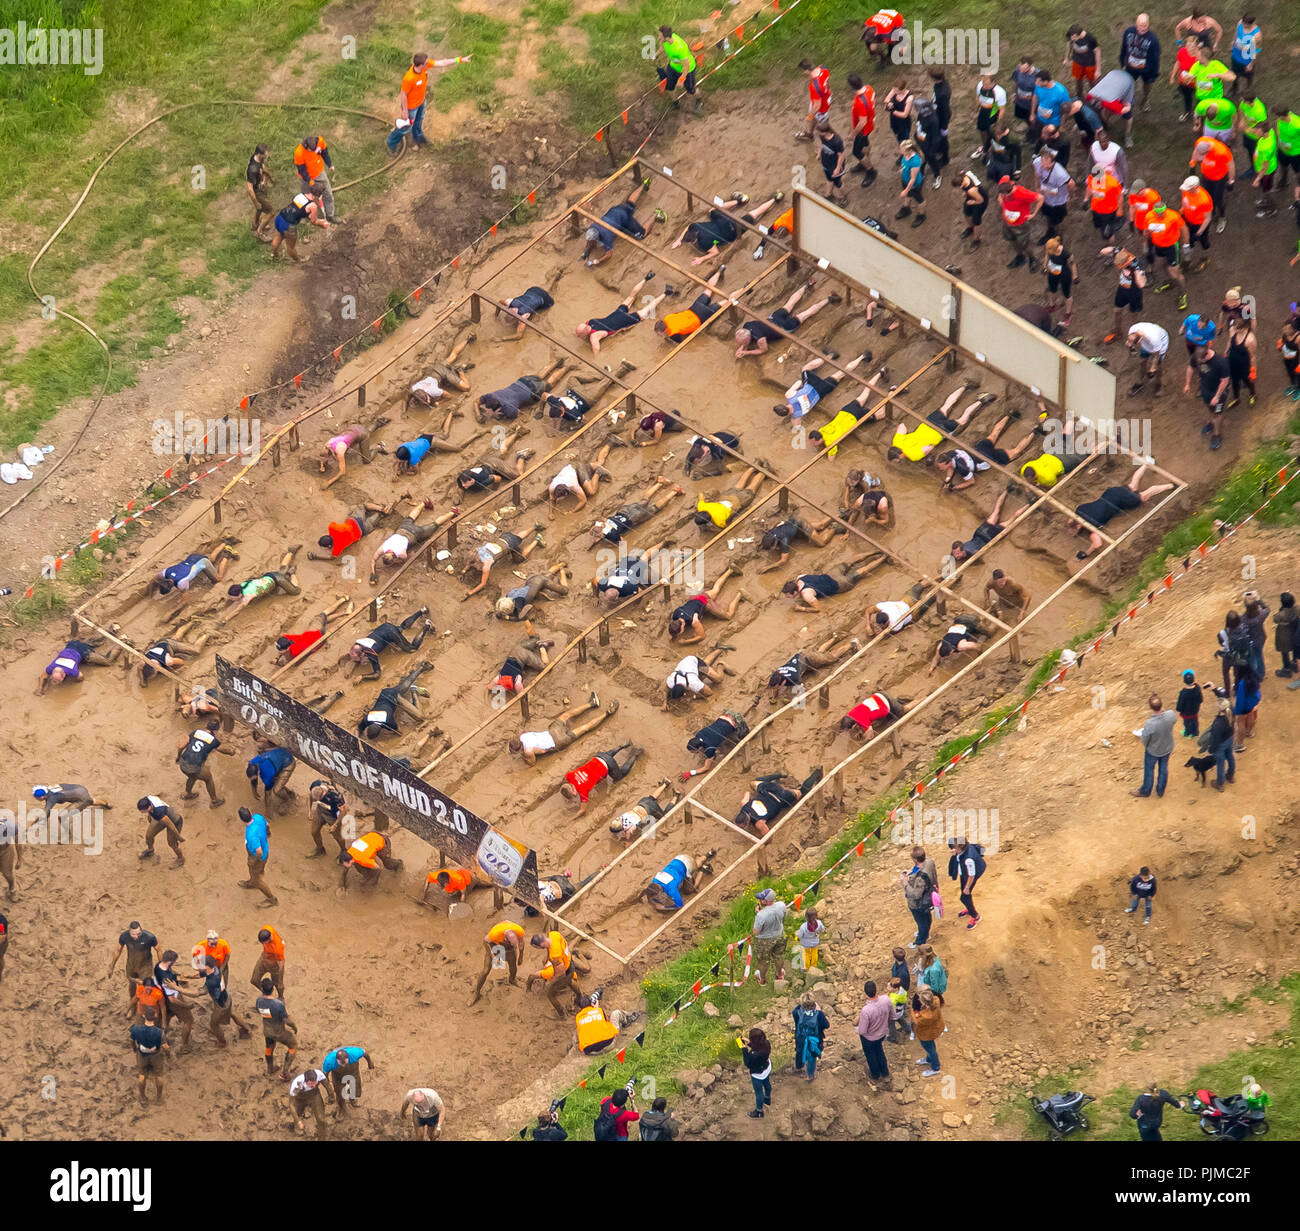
{"x": 506, "y": 546}
{"x": 714, "y": 510}
{"x": 1093, "y": 515}
{"x": 679, "y": 878}
{"x": 208, "y": 564}
{"x": 654, "y": 426}
{"x": 410, "y": 453}
{"x": 200, "y": 703}
{"x": 694, "y": 675}
{"x": 959, "y": 468}
{"x": 394, "y": 550}
{"x": 621, "y": 317}
{"x": 490, "y": 471}
{"x": 380, "y": 721}
{"x": 714, "y": 234}
{"x": 355, "y": 437}
{"x": 916, "y": 444}
{"x": 686, "y": 623}
{"x": 599, "y": 245}
{"x": 635, "y": 569}
{"x": 445, "y": 376}
{"x": 562, "y": 731}
{"x": 766, "y": 802}
{"x": 639, "y": 819}
{"x": 752, "y": 337}
{"x": 985, "y": 533}
{"x": 530, "y": 304}
{"x": 811, "y": 389}
{"x": 505, "y": 404}
{"x": 280, "y": 580}
{"x": 69, "y": 662}
{"x": 386, "y": 636}
{"x": 612, "y": 528}
{"x": 339, "y": 536}
{"x": 707, "y": 456}
{"x": 808, "y": 588}
{"x": 721, "y": 735}
{"x": 603, "y": 767}
{"x": 779, "y": 540}
{"x": 580, "y": 479}
{"x": 878, "y": 710}
{"x": 529, "y": 654}
{"x": 791, "y": 674}
{"x": 165, "y": 653}
{"x": 517, "y": 604}
{"x": 964, "y": 635}
{"x": 677, "y": 326}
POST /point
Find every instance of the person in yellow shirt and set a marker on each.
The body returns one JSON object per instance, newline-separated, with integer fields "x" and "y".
{"x": 410, "y": 101}
{"x": 506, "y": 941}
{"x": 557, "y": 972}
{"x": 715, "y": 510}
{"x": 916, "y": 444}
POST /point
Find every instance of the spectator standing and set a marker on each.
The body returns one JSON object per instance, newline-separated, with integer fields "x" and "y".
{"x": 658, "y": 1124}
{"x": 1157, "y": 736}
{"x": 1287, "y": 625}
{"x": 1218, "y": 741}
{"x": 1148, "y": 1111}
{"x": 1142, "y": 888}
{"x": 811, "y": 933}
{"x": 411, "y": 99}
{"x": 810, "y": 1026}
{"x": 897, "y": 1010}
{"x": 310, "y": 160}
{"x": 1245, "y": 707}
{"x": 927, "y": 1022}
{"x": 757, "y": 1058}
{"x": 930, "y": 972}
{"x": 617, "y": 1112}
{"x": 918, "y": 886}
{"x": 1139, "y": 55}
{"x": 966, "y": 866}
{"x": 1253, "y": 618}
{"x": 1190, "y": 697}
{"x": 769, "y": 934}
{"x": 549, "y": 1127}
{"x": 873, "y": 1026}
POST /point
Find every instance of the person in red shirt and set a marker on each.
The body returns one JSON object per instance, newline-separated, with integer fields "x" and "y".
{"x": 352, "y": 529}
{"x": 1181, "y": 75}
{"x": 819, "y": 99}
{"x": 622, "y": 1106}
{"x": 1019, "y": 207}
{"x": 580, "y": 782}
{"x": 1217, "y": 172}
{"x": 880, "y": 32}
{"x": 410, "y": 101}
{"x": 864, "y": 124}
{"x": 291, "y": 645}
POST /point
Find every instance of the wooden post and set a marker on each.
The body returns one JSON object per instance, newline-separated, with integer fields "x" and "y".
{"x": 783, "y": 500}
{"x": 361, "y": 397}
{"x": 523, "y": 707}
{"x": 575, "y": 224}
{"x": 216, "y": 512}
{"x": 824, "y": 698}
{"x": 374, "y": 610}
{"x": 896, "y": 744}
{"x": 941, "y": 602}
{"x": 582, "y": 649}
{"x": 451, "y": 535}
{"x": 604, "y": 632}
{"x": 629, "y": 405}
{"x": 275, "y": 454}
{"x": 516, "y": 495}
{"x": 475, "y": 308}
{"x": 763, "y": 741}
{"x": 294, "y": 442}
{"x": 1015, "y": 648}
{"x": 688, "y": 813}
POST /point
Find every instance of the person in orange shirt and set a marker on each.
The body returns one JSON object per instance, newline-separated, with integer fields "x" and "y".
{"x": 456, "y": 883}
{"x": 678, "y": 326}
{"x": 410, "y": 102}
{"x": 310, "y": 160}
{"x": 148, "y": 999}
{"x": 556, "y": 972}
{"x": 1107, "y": 200}
{"x": 1140, "y": 201}
{"x": 506, "y": 939}
{"x": 1167, "y": 232}
{"x": 219, "y": 951}
{"x": 365, "y": 856}
{"x": 1197, "y": 211}
{"x": 270, "y": 962}
{"x": 1217, "y": 172}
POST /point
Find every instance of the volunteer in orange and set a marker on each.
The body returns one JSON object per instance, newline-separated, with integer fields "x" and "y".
{"x": 310, "y": 160}
{"x": 218, "y": 950}
{"x": 556, "y": 972}
{"x": 270, "y": 962}
{"x": 455, "y": 885}
{"x": 1140, "y": 201}
{"x": 1217, "y": 173}
{"x": 781, "y": 228}
{"x": 364, "y": 856}
{"x": 508, "y": 939}
{"x": 1197, "y": 211}
{"x": 410, "y": 102}
{"x": 148, "y": 999}
{"x": 678, "y": 326}
{"x": 1106, "y": 195}
{"x": 1167, "y": 232}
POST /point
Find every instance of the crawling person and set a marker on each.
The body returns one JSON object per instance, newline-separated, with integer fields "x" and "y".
{"x": 752, "y": 337}
{"x": 341, "y": 535}
{"x": 612, "y": 528}
{"x": 633, "y": 571}
{"x": 792, "y": 673}
{"x": 984, "y": 534}
{"x": 706, "y": 457}
{"x": 410, "y": 453}
{"x": 271, "y": 770}
{"x": 843, "y": 422}
{"x": 197, "y": 564}
{"x": 280, "y": 580}
{"x": 488, "y": 472}
{"x": 764, "y": 804}
{"x": 677, "y": 326}
{"x": 67, "y": 664}
{"x": 654, "y": 426}
{"x": 693, "y": 676}
{"x": 880, "y": 708}
{"x": 60, "y": 795}
{"x": 872, "y": 503}
{"x": 517, "y": 604}
{"x": 385, "y": 637}
{"x": 505, "y": 404}
{"x": 562, "y": 731}
{"x": 1093, "y": 515}
{"x": 364, "y": 857}
{"x": 916, "y": 444}
{"x": 506, "y": 546}
{"x": 688, "y": 617}
{"x": 526, "y": 655}
{"x": 988, "y": 446}
{"x": 779, "y": 540}
{"x": 679, "y": 877}
{"x": 721, "y": 735}
{"x": 289, "y": 646}
{"x": 639, "y": 819}
{"x": 717, "y": 232}
{"x": 355, "y": 437}
{"x": 198, "y": 702}
{"x": 810, "y": 388}
{"x": 394, "y": 550}
{"x": 621, "y": 318}
{"x": 714, "y": 510}
{"x": 445, "y": 376}
{"x": 453, "y": 885}
{"x": 381, "y": 719}
{"x": 808, "y": 588}
{"x": 964, "y": 634}
{"x": 599, "y": 246}
{"x": 529, "y": 304}
{"x": 605, "y": 766}
{"x": 164, "y": 654}
{"x": 580, "y": 479}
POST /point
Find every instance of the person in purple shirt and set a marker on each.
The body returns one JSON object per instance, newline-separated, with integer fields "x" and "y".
{"x": 69, "y": 661}
{"x": 873, "y": 1025}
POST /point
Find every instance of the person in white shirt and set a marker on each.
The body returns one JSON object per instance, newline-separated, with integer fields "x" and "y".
{"x": 1109, "y": 155}
{"x": 1151, "y": 343}
{"x": 693, "y": 675}
{"x": 308, "y": 1092}
{"x": 428, "y": 1115}
{"x": 560, "y": 732}
{"x": 894, "y": 616}
{"x": 580, "y": 479}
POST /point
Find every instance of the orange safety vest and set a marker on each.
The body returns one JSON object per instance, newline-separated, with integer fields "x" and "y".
{"x": 365, "y": 849}
{"x": 457, "y": 879}
{"x": 1164, "y": 229}
{"x": 1217, "y": 160}
{"x": 595, "y": 1030}
{"x": 414, "y": 85}
{"x": 273, "y": 949}
{"x": 1140, "y": 204}
{"x": 1105, "y": 192}
{"x": 311, "y": 160}
{"x": 1197, "y": 206}
{"x": 497, "y": 936}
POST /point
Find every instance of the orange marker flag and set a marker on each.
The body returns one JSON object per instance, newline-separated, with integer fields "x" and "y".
{"x": 798, "y": 901}
{"x": 861, "y": 846}
{"x": 600, "y": 134}
{"x": 415, "y": 294}
{"x": 243, "y": 402}
{"x": 582, "y": 1085}
{"x": 297, "y": 381}
{"x": 493, "y": 228}
{"x": 620, "y": 1055}
{"x": 338, "y": 351}
{"x": 625, "y": 121}
{"x": 532, "y": 197}
{"x": 167, "y": 474}
{"x": 455, "y": 262}
{"x": 739, "y": 32}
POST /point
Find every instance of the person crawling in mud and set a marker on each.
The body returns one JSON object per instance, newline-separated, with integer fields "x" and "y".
{"x": 517, "y": 604}
{"x": 164, "y": 654}
{"x": 612, "y": 528}
{"x": 780, "y": 539}
{"x": 385, "y": 636}
{"x": 680, "y": 877}
{"x": 633, "y": 571}
{"x": 506, "y": 546}
{"x": 67, "y": 665}
{"x": 603, "y": 767}
{"x": 280, "y": 580}
{"x": 621, "y": 317}
{"x": 790, "y": 676}
{"x": 639, "y": 819}
{"x": 528, "y": 654}
{"x": 689, "y": 617}
{"x": 707, "y": 456}
{"x": 561, "y": 731}
{"x": 380, "y": 721}
{"x": 808, "y": 588}
{"x": 878, "y": 709}
{"x": 714, "y": 510}
{"x": 694, "y": 676}
{"x": 198, "y": 564}
{"x": 506, "y": 403}
{"x": 530, "y": 304}
{"x": 489, "y": 472}
{"x": 394, "y": 550}
{"x": 357, "y": 436}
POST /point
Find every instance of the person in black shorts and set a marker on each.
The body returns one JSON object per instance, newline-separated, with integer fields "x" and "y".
{"x": 517, "y": 604}
{"x": 974, "y": 201}
{"x": 529, "y": 304}
{"x": 984, "y": 534}
{"x": 790, "y": 674}
{"x": 687, "y": 618}
{"x": 1132, "y": 279}
{"x": 612, "y": 528}
{"x": 707, "y": 456}
{"x": 486, "y": 473}
{"x": 808, "y": 588}
{"x": 505, "y": 404}
{"x": 386, "y": 636}
{"x": 721, "y": 735}
{"x": 631, "y": 573}
{"x": 505, "y": 546}
{"x": 526, "y": 655}
{"x": 165, "y": 655}
{"x": 753, "y": 336}
{"x": 654, "y": 426}
{"x": 988, "y": 447}
{"x": 1095, "y": 514}
{"x": 404, "y": 696}
{"x": 764, "y": 803}
{"x": 831, "y": 153}
{"x": 1062, "y": 271}
{"x": 678, "y": 326}
{"x": 258, "y": 179}
{"x": 639, "y": 819}
{"x": 962, "y": 635}
{"x": 621, "y": 217}
{"x": 598, "y": 328}
{"x": 781, "y": 538}
{"x": 720, "y": 230}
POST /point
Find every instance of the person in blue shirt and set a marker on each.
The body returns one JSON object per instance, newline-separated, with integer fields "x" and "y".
{"x": 680, "y": 876}
{"x": 910, "y": 171}
{"x": 1246, "y": 43}
{"x": 147, "y": 1040}
{"x": 1199, "y": 330}
{"x": 272, "y": 768}
{"x": 1050, "y": 97}
{"x": 257, "y": 842}
{"x": 343, "y": 1065}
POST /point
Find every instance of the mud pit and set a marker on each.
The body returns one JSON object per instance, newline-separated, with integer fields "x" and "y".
{"x": 359, "y": 965}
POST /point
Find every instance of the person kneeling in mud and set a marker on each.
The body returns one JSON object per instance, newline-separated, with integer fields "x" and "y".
{"x": 560, "y": 732}
{"x": 558, "y": 972}
{"x": 707, "y": 456}
{"x": 639, "y": 819}
{"x": 364, "y": 857}
{"x": 678, "y": 878}
{"x": 613, "y": 528}
{"x": 605, "y": 766}
{"x": 963, "y": 635}
{"x": 164, "y": 655}
{"x": 808, "y": 588}
{"x": 404, "y": 696}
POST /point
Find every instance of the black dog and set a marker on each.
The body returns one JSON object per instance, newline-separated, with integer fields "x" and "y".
{"x": 1202, "y": 766}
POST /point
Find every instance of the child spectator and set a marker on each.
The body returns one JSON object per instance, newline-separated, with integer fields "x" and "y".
{"x": 898, "y": 1002}
{"x": 1189, "y": 704}
{"x": 811, "y": 933}
{"x": 1143, "y": 889}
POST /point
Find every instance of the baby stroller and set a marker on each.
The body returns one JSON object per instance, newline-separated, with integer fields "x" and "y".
{"x": 1063, "y": 1112}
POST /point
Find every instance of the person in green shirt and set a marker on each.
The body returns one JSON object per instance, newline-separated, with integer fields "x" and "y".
{"x": 1252, "y": 119}
{"x": 1209, "y": 76}
{"x": 1287, "y": 124}
{"x": 1216, "y": 117}
{"x": 1265, "y": 171}
{"x": 681, "y": 63}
